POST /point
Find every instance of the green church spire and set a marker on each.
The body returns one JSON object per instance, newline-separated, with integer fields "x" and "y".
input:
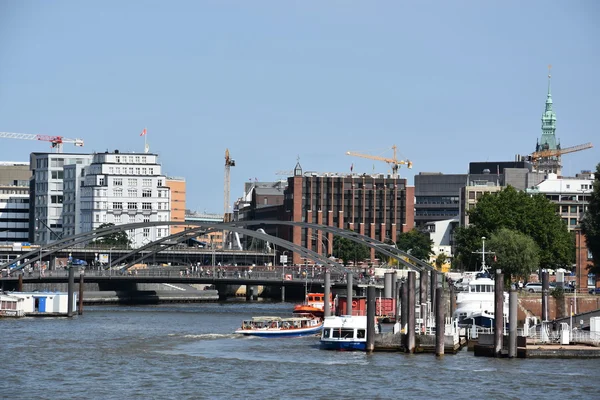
{"x": 548, "y": 140}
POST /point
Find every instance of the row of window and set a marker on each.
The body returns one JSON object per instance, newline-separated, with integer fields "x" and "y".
{"x": 130, "y": 171}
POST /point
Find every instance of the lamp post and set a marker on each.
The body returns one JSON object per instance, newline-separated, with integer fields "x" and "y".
{"x": 283, "y": 262}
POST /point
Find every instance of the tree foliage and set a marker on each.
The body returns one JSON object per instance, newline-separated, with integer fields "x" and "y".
{"x": 118, "y": 238}
{"x": 516, "y": 253}
{"x": 419, "y": 244}
{"x": 534, "y": 216}
{"x": 590, "y": 224}
{"x": 440, "y": 260}
{"x": 349, "y": 250}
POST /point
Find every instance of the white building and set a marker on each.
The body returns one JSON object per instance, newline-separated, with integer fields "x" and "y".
{"x": 441, "y": 234}
{"x": 122, "y": 188}
{"x": 571, "y": 194}
{"x": 14, "y": 202}
{"x": 48, "y": 197}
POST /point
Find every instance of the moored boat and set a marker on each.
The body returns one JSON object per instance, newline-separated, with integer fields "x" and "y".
{"x": 301, "y": 325}
{"x": 346, "y": 332}
{"x": 475, "y": 305}
{"x": 314, "y": 304}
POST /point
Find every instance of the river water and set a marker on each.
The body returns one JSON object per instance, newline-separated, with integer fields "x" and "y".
{"x": 189, "y": 352}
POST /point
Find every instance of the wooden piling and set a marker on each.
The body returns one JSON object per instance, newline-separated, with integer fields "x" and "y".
{"x": 80, "y": 299}
{"x": 512, "y": 323}
{"x": 350, "y": 289}
{"x": 20, "y": 283}
{"x": 403, "y": 304}
{"x": 410, "y": 330}
{"x": 433, "y": 282}
{"x": 452, "y": 301}
{"x": 498, "y": 312}
{"x": 70, "y": 291}
{"x": 440, "y": 321}
{"x": 387, "y": 284}
{"x": 327, "y": 293}
{"x": 282, "y": 293}
{"x": 423, "y": 294}
{"x": 371, "y": 318}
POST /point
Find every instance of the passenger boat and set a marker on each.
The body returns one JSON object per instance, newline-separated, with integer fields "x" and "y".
{"x": 346, "y": 332}
{"x": 475, "y": 305}
{"x": 314, "y": 304}
{"x": 301, "y": 325}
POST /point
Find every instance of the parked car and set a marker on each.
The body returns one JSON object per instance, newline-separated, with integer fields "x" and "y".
{"x": 534, "y": 287}
{"x": 594, "y": 290}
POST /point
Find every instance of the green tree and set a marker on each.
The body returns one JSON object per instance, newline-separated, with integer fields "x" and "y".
{"x": 440, "y": 260}
{"x": 118, "y": 238}
{"x": 590, "y": 224}
{"x": 349, "y": 250}
{"x": 534, "y": 216}
{"x": 517, "y": 254}
{"x": 417, "y": 242}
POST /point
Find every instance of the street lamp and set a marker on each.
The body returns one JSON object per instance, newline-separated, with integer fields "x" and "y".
{"x": 283, "y": 262}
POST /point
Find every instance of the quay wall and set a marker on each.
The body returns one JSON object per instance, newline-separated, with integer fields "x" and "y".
{"x": 531, "y": 305}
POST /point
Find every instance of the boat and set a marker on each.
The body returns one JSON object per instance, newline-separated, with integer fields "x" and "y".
{"x": 475, "y": 305}
{"x": 314, "y": 304}
{"x": 345, "y": 332}
{"x": 301, "y": 325}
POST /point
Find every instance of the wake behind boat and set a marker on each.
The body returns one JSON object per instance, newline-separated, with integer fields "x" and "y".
{"x": 301, "y": 325}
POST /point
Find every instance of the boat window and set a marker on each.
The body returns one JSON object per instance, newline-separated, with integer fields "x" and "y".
{"x": 343, "y": 333}
{"x": 326, "y": 332}
{"x": 360, "y": 333}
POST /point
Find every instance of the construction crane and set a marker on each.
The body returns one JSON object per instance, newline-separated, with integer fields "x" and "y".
{"x": 56, "y": 141}
{"x": 540, "y": 158}
{"x": 229, "y": 162}
{"x": 394, "y": 162}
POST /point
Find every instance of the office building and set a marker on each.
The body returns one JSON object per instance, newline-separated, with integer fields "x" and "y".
{"x": 14, "y": 202}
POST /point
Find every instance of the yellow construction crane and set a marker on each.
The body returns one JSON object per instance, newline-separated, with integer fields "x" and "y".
{"x": 229, "y": 162}
{"x": 558, "y": 152}
{"x": 394, "y": 162}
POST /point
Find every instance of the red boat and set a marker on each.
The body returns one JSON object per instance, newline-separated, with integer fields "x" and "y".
{"x": 314, "y": 304}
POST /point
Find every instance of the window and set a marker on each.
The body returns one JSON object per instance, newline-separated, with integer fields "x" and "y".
{"x": 132, "y": 206}
{"x": 118, "y": 219}
{"x": 137, "y": 170}
{"x": 159, "y": 183}
{"x": 144, "y": 171}
{"x": 57, "y": 175}
{"x": 131, "y": 182}
{"x": 143, "y": 159}
{"x": 111, "y": 170}
{"x": 146, "y": 219}
{"x": 118, "y": 170}
{"x": 97, "y": 217}
{"x": 147, "y": 206}
{"x": 146, "y": 182}
{"x": 146, "y": 193}
{"x": 130, "y": 170}
{"x": 137, "y": 159}
{"x": 132, "y": 192}
{"x": 56, "y": 199}
{"x": 118, "y": 192}
{"x": 101, "y": 181}
{"x": 118, "y": 159}
{"x": 117, "y": 206}
{"x": 146, "y": 232}
{"x": 118, "y": 181}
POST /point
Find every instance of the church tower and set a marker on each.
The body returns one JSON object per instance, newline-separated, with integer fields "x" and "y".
{"x": 548, "y": 140}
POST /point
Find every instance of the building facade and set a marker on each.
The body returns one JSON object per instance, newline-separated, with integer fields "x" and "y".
{"x": 14, "y": 202}
{"x": 177, "y": 187}
{"x": 377, "y": 206}
{"x": 437, "y": 196}
{"x": 122, "y": 188}
{"x": 470, "y": 195}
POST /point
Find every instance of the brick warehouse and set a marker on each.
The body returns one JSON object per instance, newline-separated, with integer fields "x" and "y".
{"x": 377, "y": 206}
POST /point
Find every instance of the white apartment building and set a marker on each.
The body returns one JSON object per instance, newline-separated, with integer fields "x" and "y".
{"x": 14, "y": 202}
{"x": 571, "y": 194}
{"x": 48, "y": 197}
{"x": 74, "y": 175}
{"x": 122, "y": 188}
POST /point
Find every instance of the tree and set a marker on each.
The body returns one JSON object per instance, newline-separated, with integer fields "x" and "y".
{"x": 516, "y": 254}
{"x": 349, "y": 250}
{"x": 590, "y": 224}
{"x": 118, "y": 238}
{"x": 534, "y": 216}
{"x": 440, "y": 260}
{"x": 417, "y": 243}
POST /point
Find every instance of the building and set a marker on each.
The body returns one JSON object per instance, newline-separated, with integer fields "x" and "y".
{"x": 441, "y": 234}
{"x": 470, "y": 195}
{"x": 177, "y": 186}
{"x": 211, "y": 239}
{"x": 436, "y": 196}
{"x": 377, "y": 206}
{"x": 122, "y": 188}
{"x": 14, "y": 202}
{"x": 46, "y": 193}
{"x": 73, "y": 179}
{"x": 548, "y": 140}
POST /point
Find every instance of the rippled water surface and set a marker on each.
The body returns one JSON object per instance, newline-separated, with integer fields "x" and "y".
{"x": 189, "y": 352}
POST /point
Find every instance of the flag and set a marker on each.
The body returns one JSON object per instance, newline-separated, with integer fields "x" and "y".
{"x": 352, "y": 167}
{"x": 143, "y": 132}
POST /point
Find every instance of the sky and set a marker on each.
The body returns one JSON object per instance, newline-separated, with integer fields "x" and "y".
{"x": 447, "y": 82}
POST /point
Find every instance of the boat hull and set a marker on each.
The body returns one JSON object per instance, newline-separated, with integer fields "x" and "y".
{"x": 343, "y": 345}
{"x": 281, "y": 333}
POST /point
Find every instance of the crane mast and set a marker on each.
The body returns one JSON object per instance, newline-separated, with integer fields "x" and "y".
{"x": 229, "y": 162}
{"x": 394, "y": 162}
{"x": 55, "y": 141}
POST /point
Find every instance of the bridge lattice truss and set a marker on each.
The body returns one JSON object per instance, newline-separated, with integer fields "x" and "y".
{"x": 238, "y": 226}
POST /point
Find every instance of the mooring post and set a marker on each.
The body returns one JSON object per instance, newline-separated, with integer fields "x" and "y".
{"x": 440, "y": 321}
{"x": 80, "y": 299}
{"x": 350, "y": 289}
{"x": 512, "y": 323}
{"x": 452, "y": 301}
{"x": 433, "y": 282}
{"x": 545, "y": 291}
{"x": 327, "y": 294}
{"x": 249, "y": 293}
{"x": 70, "y": 291}
{"x": 498, "y": 312}
{"x": 282, "y": 293}
{"x": 423, "y": 275}
{"x": 395, "y": 286}
{"x": 410, "y": 308}
{"x": 371, "y": 318}
{"x": 404, "y": 305}
{"x": 20, "y": 283}
{"x": 387, "y": 284}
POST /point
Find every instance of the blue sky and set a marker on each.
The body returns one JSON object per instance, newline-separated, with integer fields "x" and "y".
{"x": 448, "y": 82}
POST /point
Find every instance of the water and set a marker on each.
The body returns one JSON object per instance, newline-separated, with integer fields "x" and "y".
{"x": 188, "y": 352}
